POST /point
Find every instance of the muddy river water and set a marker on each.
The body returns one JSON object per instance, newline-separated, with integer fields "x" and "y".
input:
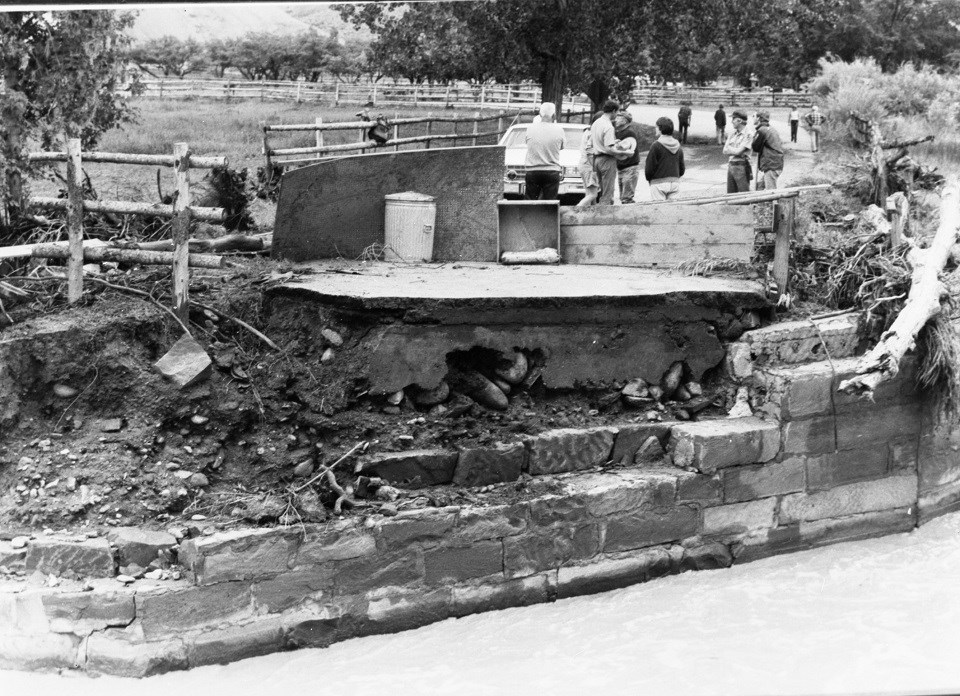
{"x": 880, "y": 616}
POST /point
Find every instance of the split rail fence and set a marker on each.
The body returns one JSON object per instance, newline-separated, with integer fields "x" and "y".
{"x": 302, "y": 155}
{"x": 180, "y": 211}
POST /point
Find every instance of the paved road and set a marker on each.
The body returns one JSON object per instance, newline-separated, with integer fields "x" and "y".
{"x": 706, "y": 164}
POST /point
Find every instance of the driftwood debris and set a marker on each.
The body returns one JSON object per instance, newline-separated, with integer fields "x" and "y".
{"x": 102, "y": 253}
{"x": 882, "y": 362}
{"x": 233, "y": 242}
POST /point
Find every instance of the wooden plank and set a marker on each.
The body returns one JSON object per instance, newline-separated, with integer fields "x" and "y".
{"x": 652, "y": 216}
{"x": 74, "y": 221}
{"x": 649, "y": 255}
{"x": 784, "y": 214}
{"x": 181, "y": 233}
{"x": 629, "y": 235}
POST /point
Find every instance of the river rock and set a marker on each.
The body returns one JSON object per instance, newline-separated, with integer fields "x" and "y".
{"x": 479, "y": 388}
{"x": 395, "y": 398}
{"x": 199, "y": 480}
{"x": 671, "y": 379}
{"x": 303, "y": 469}
{"x": 64, "y": 391}
{"x": 431, "y": 397}
{"x": 328, "y": 355}
{"x": 694, "y": 388}
{"x": 512, "y": 368}
{"x": 332, "y": 337}
{"x": 656, "y": 392}
{"x": 650, "y": 452}
{"x": 681, "y": 394}
{"x": 186, "y": 362}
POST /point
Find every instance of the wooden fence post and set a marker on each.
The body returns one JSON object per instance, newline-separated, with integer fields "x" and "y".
{"x": 784, "y": 213}
{"x": 74, "y": 220}
{"x": 396, "y": 130}
{"x": 500, "y": 125}
{"x": 181, "y": 232}
{"x": 266, "y": 146}
{"x": 416, "y": 88}
{"x": 476, "y": 126}
{"x": 446, "y": 96}
{"x": 263, "y": 87}
{"x": 374, "y": 97}
{"x": 483, "y": 95}
{"x": 318, "y": 134}
{"x": 299, "y": 83}
{"x": 429, "y": 128}
{"x": 336, "y": 94}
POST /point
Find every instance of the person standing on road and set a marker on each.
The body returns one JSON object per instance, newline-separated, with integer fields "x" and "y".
{"x": 769, "y": 148}
{"x": 664, "y": 165}
{"x": 603, "y": 143}
{"x": 815, "y": 121}
{"x": 794, "y": 123}
{"x": 683, "y": 122}
{"x": 737, "y": 148}
{"x": 628, "y": 168}
{"x": 720, "y": 118}
{"x": 591, "y": 183}
{"x": 542, "y": 164}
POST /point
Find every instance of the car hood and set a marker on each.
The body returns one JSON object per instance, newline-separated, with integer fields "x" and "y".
{"x": 516, "y": 156}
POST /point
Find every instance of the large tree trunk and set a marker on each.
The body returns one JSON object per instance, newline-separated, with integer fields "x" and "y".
{"x": 553, "y": 78}
{"x": 11, "y": 152}
{"x": 923, "y": 301}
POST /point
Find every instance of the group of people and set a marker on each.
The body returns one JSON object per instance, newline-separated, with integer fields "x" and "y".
{"x": 610, "y": 153}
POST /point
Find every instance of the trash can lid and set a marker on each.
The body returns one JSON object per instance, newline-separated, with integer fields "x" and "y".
{"x": 408, "y": 196}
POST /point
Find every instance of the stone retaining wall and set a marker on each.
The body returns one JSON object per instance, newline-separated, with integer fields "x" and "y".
{"x": 813, "y": 467}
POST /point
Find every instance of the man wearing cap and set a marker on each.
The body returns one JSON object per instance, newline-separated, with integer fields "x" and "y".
{"x": 628, "y": 167}
{"x": 542, "y": 164}
{"x": 737, "y": 148}
{"x": 815, "y": 121}
{"x": 603, "y": 142}
{"x": 769, "y": 149}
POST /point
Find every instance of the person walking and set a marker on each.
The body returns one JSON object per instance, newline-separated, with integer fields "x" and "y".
{"x": 542, "y": 163}
{"x": 683, "y": 122}
{"x": 603, "y": 143}
{"x": 815, "y": 121}
{"x": 769, "y": 148}
{"x": 794, "y": 122}
{"x": 737, "y": 148}
{"x": 664, "y": 165}
{"x": 720, "y": 118}
{"x": 628, "y": 167}
{"x": 591, "y": 183}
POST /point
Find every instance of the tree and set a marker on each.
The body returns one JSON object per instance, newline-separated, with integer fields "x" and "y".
{"x": 173, "y": 56}
{"x": 61, "y": 73}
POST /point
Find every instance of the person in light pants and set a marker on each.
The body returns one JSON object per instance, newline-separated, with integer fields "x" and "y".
{"x": 664, "y": 165}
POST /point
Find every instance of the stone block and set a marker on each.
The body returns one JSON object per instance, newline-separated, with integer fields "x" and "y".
{"x": 851, "y": 499}
{"x": 139, "y": 546}
{"x": 938, "y": 501}
{"x": 631, "y": 436}
{"x": 706, "y": 556}
{"x": 444, "y": 565}
{"x": 939, "y": 458}
{"x": 233, "y": 643}
{"x": 12, "y": 559}
{"x": 402, "y": 611}
{"x": 425, "y": 525}
{"x": 650, "y": 528}
{"x": 125, "y": 654}
{"x": 604, "y": 494}
{"x": 319, "y": 626}
{"x": 163, "y": 612}
{"x": 699, "y": 488}
{"x": 803, "y": 341}
{"x": 870, "y": 524}
{"x": 23, "y": 613}
{"x": 359, "y": 575}
{"x": 799, "y": 391}
{"x": 904, "y": 454}
{"x": 739, "y": 361}
{"x": 494, "y": 522}
{"x": 185, "y": 364}
{"x": 91, "y": 558}
{"x": 82, "y": 613}
{"x": 763, "y": 543}
{"x": 569, "y": 449}
{"x": 710, "y": 445}
{"x": 739, "y": 518}
{"x": 900, "y": 388}
{"x": 533, "y": 553}
{"x": 293, "y": 587}
{"x": 763, "y": 480}
{"x": 604, "y": 574}
{"x": 484, "y": 466}
{"x": 489, "y": 596}
{"x": 334, "y": 541}
{"x": 816, "y": 435}
{"x": 830, "y": 470}
{"x": 243, "y": 554}
{"x": 40, "y": 653}
{"x": 414, "y": 468}
{"x": 870, "y": 426}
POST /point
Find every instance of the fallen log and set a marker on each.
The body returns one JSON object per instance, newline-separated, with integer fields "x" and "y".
{"x": 100, "y": 254}
{"x": 882, "y": 362}
{"x": 232, "y": 242}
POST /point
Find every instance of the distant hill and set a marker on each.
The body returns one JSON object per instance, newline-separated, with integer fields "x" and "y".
{"x": 204, "y": 22}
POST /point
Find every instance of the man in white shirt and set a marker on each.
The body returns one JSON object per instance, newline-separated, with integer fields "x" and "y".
{"x": 604, "y": 144}
{"x": 737, "y": 148}
{"x": 543, "y": 170}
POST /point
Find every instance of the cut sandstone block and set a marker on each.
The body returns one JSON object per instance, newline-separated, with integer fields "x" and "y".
{"x": 481, "y": 467}
{"x": 763, "y": 480}
{"x": 244, "y": 554}
{"x": 739, "y": 518}
{"x": 570, "y": 449}
{"x": 91, "y": 558}
{"x": 416, "y": 467}
{"x": 710, "y": 445}
{"x": 851, "y": 499}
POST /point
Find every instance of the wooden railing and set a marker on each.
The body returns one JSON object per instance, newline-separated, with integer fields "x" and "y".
{"x": 180, "y": 210}
{"x": 714, "y": 96}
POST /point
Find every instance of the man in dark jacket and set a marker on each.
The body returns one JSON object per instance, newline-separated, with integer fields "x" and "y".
{"x": 628, "y": 169}
{"x": 769, "y": 149}
{"x": 720, "y": 118}
{"x": 664, "y": 165}
{"x": 683, "y": 122}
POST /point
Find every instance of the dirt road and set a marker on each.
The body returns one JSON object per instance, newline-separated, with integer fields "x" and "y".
{"x": 706, "y": 165}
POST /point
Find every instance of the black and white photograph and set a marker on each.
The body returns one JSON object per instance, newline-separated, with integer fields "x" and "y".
{"x": 480, "y": 347}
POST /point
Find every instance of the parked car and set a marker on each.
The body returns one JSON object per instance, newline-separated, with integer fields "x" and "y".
{"x": 515, "y": 142}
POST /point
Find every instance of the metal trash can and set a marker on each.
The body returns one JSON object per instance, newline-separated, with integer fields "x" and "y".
{"x": 409, "y": 220}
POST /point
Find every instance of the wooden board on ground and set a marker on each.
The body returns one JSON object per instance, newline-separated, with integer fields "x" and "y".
{"x": 655, "y": 236}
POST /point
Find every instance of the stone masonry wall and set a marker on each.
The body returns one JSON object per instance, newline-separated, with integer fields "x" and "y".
{"x": 812, "y": 467}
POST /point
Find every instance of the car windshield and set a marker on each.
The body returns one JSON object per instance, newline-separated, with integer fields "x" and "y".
{"x": 518, "y": 138}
